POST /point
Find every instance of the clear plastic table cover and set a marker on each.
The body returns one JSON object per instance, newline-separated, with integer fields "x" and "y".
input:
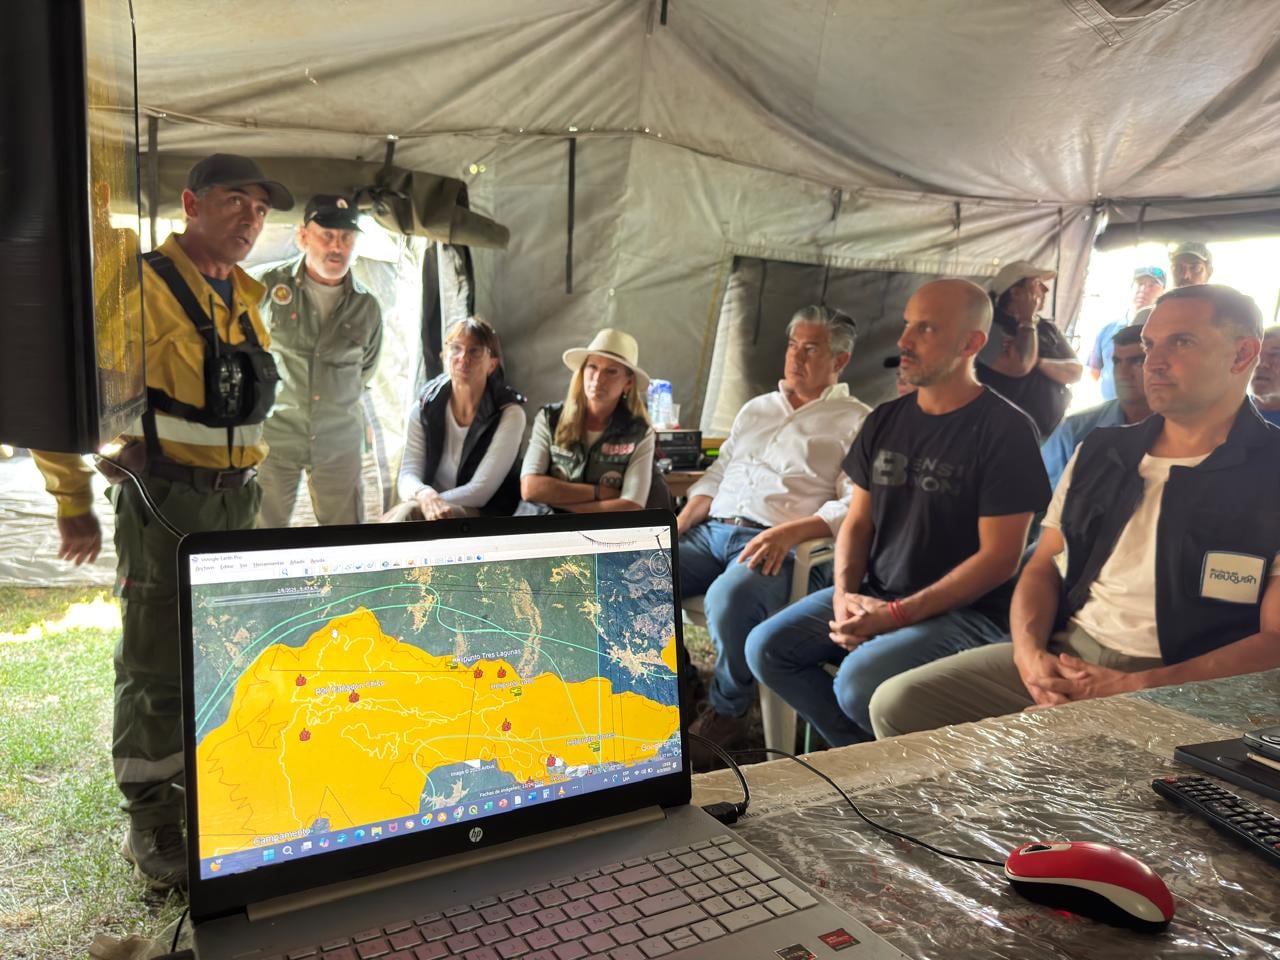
{"x": 1243, "y": 703}
{"x": 1081, "y": 772}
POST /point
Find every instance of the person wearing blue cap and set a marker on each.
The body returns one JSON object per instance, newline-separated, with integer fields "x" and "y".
{"x": 1148, "y": 284}
{"x": 326, "y": 332}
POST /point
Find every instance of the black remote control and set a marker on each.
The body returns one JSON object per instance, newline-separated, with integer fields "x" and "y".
{"x": 1226, "y": 811}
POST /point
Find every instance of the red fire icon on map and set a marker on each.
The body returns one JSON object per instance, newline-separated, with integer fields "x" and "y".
{"x": 502, "y": 672}
{"x": 551, "y": 760}
{"x": 305, "y": 735}
{"x": 506, "y": 726}
{"x": 354, "y": 698}
{"x": 301, "y": 681}
{"x": 478, "y": 674}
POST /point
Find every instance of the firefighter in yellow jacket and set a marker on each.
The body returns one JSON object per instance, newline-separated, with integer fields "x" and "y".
{"x": 210, "y": 383}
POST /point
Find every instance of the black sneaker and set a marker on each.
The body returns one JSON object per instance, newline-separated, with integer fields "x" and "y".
{"x": 158, "y": 855}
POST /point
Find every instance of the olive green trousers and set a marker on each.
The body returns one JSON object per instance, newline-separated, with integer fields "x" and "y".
{"x": 147, "y": 734}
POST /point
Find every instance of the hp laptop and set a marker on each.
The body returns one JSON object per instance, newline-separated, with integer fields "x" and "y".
{"x": 460, "y": 739}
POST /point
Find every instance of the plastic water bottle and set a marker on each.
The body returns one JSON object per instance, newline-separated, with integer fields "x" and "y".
{"x": 660, "y": 401}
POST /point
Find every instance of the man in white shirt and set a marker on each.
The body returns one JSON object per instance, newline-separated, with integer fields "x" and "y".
{"x": 1159, "y": 560}
{"x": 776, "y": 483}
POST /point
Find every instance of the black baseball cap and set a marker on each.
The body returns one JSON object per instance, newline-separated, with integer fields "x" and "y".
{"x": 232, "y": 170}
{"x": 333, "y": 212}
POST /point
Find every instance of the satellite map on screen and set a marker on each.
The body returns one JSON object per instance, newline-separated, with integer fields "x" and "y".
{"x": 332, "y": 702}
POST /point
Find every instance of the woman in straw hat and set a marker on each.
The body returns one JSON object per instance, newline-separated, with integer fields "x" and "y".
{"x": 463, "y": 436}
{"x": 594, "y": 452}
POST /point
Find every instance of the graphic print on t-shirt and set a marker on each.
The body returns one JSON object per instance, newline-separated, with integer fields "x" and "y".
{"x": 931, "y": 477}
{"x": 923, "y": 473}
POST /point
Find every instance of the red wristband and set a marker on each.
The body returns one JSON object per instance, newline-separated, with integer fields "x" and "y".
{"x": 899, "y": 615}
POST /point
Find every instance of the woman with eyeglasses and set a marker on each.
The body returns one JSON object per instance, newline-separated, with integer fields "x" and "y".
{"x": 594, "y": 452}
{"x": 462, "y": 441}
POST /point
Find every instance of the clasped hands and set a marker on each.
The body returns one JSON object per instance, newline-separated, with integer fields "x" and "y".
{"x": 432, "y": 505}
{"x": 1054, "y": 679}
{"x": 858, "y": 618}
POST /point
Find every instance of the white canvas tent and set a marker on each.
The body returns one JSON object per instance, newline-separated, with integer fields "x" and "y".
{"x": 916, "y": 136}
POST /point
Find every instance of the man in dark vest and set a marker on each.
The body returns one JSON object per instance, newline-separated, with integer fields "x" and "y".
{"x": 1159, "y": 562}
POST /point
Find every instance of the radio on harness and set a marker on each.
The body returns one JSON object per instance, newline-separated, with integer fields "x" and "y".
{"x": 240, "y": 379}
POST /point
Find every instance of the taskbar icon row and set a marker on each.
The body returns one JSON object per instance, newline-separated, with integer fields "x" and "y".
{"x": 309, "y": 843}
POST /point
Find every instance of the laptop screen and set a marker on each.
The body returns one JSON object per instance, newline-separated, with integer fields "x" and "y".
{"x": 349, "y": 695}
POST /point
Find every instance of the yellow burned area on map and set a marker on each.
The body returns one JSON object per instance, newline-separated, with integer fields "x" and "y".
{"x": 348, "y": 726}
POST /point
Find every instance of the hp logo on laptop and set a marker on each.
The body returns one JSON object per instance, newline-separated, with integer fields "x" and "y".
{"x": 475, "y": 834}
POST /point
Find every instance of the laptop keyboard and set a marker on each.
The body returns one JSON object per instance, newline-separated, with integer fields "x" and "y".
{"x": 635, "y": 910}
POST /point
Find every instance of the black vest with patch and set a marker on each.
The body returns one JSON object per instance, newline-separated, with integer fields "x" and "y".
{"x": 1217, "y": 533}
{"x": 434, "y": 406}
{"x": 607, "y": 459}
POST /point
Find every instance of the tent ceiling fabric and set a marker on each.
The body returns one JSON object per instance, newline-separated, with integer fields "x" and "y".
{"x": 919, "y": 136}
{"x": 1003, "y": 98}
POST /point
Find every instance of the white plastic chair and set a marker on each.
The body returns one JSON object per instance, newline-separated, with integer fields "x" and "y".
{"x": 778, "y": 719}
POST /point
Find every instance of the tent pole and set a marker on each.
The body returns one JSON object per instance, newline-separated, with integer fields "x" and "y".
{"x": 957, "y": 220}
{"x": 568, "y": 253}
{"x": 1057, "y": 268}
{"x": 764, "y": 277}
{"x": 153, "y": 173}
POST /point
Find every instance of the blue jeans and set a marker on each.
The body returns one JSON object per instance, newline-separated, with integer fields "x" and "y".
{"x": 788, "y": 651}
{"x": 736, "y": 599}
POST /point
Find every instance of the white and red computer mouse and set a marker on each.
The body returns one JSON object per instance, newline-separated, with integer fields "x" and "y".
{"x": 1092, "y": 880}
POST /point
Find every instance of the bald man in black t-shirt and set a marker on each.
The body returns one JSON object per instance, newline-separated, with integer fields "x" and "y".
{"x": 946, "y": 480}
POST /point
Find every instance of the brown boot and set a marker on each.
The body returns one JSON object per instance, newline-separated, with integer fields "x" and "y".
{"x": 158, "y": 855}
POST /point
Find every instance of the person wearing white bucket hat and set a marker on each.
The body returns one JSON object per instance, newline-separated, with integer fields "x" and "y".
{"x": 1027, "y": 359}
{"x": 594, "y": 451}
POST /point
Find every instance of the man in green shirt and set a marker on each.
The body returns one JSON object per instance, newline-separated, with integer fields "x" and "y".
{"x": 326, "y": 333}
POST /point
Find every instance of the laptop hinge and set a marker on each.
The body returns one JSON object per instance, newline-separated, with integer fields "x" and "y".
{"x": 279, "y": 906}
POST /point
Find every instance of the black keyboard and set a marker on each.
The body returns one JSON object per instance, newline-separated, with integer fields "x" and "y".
{"x": 1226, "y": 811}
{"x": 635, "y": 910}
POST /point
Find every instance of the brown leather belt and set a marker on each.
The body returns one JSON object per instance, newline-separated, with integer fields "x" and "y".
{"x": 201, "y": 479}
{"x": 741, "y": 522}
